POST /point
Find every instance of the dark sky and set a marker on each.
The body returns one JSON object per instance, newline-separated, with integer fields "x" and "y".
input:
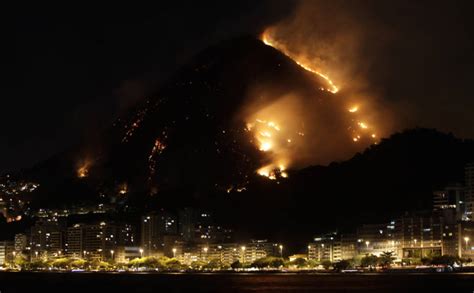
{"x": 69, "y": 73}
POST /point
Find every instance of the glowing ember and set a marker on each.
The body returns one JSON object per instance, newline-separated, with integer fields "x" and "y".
{"x": 83, "y": 169}
{"x": 157, "y": 149}
{"x": 363, "y": 125}
{"x": 272, "y": 172}
{"x": 354, "y": 109}
{"x": 123, "y": 189}
{"x": 269, "y": 41}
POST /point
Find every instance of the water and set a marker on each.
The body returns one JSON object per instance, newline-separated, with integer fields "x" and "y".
{"x": 150, "y": 282}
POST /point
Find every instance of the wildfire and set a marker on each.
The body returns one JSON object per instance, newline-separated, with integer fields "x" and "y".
{"x": 269, "y": 41}
{"x": 270, "y": 138}
{"x": 83, "y": 169}
{"x": 272, "y": 171}
{"x": 354, "y": 109}
{"x": 123, "y": 188}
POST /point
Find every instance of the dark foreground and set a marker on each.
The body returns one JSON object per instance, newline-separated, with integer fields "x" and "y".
{"x": 109, "y": 282}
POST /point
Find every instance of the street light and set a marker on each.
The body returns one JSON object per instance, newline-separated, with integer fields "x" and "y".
{"x": 281, "y": 251}
{"x": 84, "y": 253}
{"x": 141, "y": 252}
{"x": 367, "y": 244}
{"x": 112, "y": 254}
{"x": 36, "y": 254}
{"x": 243, "y": 253}
{"x": 174, "y": 252}
{"x": 466, "y": 239}
{"x": 415, "y": 241}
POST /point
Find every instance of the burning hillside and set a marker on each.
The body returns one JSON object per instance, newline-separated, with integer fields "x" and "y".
{"x": 240, "y": 109}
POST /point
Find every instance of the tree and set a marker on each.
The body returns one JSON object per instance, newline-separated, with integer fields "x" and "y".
{"x": 61, "y": 263}
{"x": 153, "y": 262}
{"x": 369, "y": 261}
{"x": 136, "y": 262}
{"x": 312, "y": 263}
{"x": 173, "y": 265}
{"x": 299, "y": 262}
{"x": 21, "y": 261}
{"x": 197, "y": 265}
{"x": 445, "y": 260}
{"x": 342, "y": 265}
{"x": 38, "y": 264}
{"x": 277, "y": 262}
{"x": 78, "y": 263}
{"x": 213, "y": 264}
{"x": 268, "y": 261}
{"x": 386, "y": 259}
{"x": 236, "y": 265}
{"x": 326, "y": 264}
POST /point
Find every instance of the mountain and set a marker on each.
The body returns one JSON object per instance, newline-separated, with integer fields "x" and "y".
{"x": 188, "y": 138}
{"x": 188, "y": 145}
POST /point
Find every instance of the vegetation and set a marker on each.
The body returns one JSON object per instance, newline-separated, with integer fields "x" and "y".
{"x": 369, "y": 261}
{"x": 326, "y": 264}
{"x": 343, "y": 265}
{"x": 385, "y": 260}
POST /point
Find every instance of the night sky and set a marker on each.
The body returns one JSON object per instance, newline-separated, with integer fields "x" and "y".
{"x": 70, "y": 73}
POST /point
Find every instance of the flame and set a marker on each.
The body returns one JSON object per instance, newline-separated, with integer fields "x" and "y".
{"x": 269, "y": 41}
{"x": 123, "y": 188}
{"x": 272, "y": 171}
{"x": 83, "y": 169}
{"x": 354, "y": 109}
{"x": 363, "y": 125}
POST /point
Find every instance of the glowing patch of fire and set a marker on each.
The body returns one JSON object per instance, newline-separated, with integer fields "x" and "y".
{"x": 83, "y": 169}
{"x": 267, "y": 40}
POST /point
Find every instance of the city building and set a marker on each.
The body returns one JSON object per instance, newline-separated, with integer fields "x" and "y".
{"x": 198, "y": 226}
{"x": 422, "y": 235}
{"x": 126, "y": 253}
{"x": 6, "y": 252}
{"x": 228, "y": 252}
{"x": 469, "y": 191}
{"x": 328, "y": 247}
{"x": 154, "y": 228}
{"x": 47, "y": 236}
{"x": 451, "y": 197}
{"x": 21, "y": 242}
{"x": 74, "y": 241}
{"x": 466, "y": 240}
{"x": 98, "y": 241}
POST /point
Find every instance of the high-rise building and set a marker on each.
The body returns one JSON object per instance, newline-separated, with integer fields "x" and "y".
{"x": 21, "y": 242}
{"x": 98, "y": 241}
{"x": 6, "y": 252}
{"x": 466, "y": 239}
{"x": 47, "y": 236}
{"x": 422, "y": 235}
{"x": 452, "y": 198}
{"x": 154, "y": 227}
{"x": 74, "y": 241}
{"x": 198, "y": 226}
{"x": 469, "y": 192}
